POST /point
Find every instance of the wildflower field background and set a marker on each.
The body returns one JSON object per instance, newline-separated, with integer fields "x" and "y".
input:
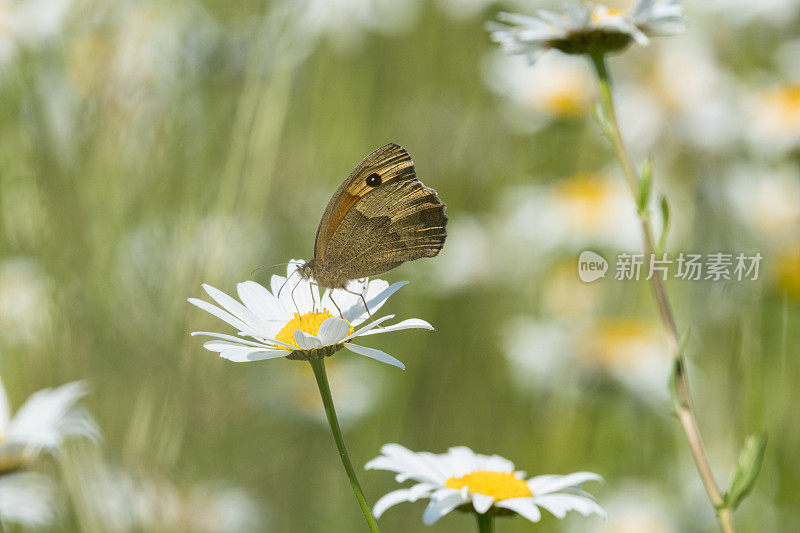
{"x": 147, "y": 147}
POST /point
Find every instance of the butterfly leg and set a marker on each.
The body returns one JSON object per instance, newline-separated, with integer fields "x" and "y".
{"x": 336, "y": 305}
{"x": 364, "y": 300}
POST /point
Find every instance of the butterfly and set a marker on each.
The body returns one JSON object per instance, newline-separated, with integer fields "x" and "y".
{"x": 379, "y": 217}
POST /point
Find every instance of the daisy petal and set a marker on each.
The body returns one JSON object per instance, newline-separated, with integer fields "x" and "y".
{"x": 541, "y": 485}
{"x": 332, "y": 331}
{"x": 378, "y": 355}
{"x": 437, "y": 509}
{"x": 362, "y": 330}
{"x": 481, "y": 502}
{"x": 242, "y": 354}
{"x": 261, "y": 301}
{"x": 305, "y": 341}
{"x": 411, "y": 323}
{"x": 522, "y": 506}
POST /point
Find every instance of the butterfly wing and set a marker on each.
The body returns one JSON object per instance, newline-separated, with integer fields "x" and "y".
{"x": 367, "y": 230}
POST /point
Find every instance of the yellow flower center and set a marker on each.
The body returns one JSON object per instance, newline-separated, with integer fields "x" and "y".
{"x": 785, "y": 101}
{"x": 498, "y": 485}
{"x": 599, "y": 16}
{"x": 307, "y": 322}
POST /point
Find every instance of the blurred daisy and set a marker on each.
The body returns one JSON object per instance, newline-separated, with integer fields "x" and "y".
{"x": 774, "y": 117}
{"x": 483, "y": 484}
{"x": 29, "y": 24}
{"x": 557, "y": 86}
{"x": 293, "y": 321}
{"x": 121, "y": 500}
{"x": 347, "y": 22}
{"x": 635, "y": 508}
{"x": 629, "y": 351}
{"x": 574, "y": 213}
{"x": 357, "y": 385}
{"x": 27, "y": 499}
{"x": 25, "y": 301}
{"x": 581, "y": 28}
{"x": 766, "y": 202}
{"x": 41, "y": 425}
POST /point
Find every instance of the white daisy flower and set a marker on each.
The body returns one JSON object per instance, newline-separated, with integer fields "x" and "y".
{"x": 41, "y": 425}
{"x": 581, "y": 28}
{"x": 293, "y": 321}
{"x": 27, "y": 499}
{"x": 479, "y": 483}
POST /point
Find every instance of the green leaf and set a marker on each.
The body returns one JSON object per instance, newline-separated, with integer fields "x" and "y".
{"x": 675, "y": 398}
{"x": 645, "y": 185}
{"x": 665, "y": 220}
{"x": 747, "y": 467}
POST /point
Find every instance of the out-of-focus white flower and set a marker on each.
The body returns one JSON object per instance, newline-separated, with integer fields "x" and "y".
{"x": 467, "y": 257}
{"x": 582, "y": 28}
{"x": 42, "y": 423}
{"x": 357, "y": 386}
{"x": 661, "y": 107}
{"x": 572, "y": 214}
{"x": 158, "y": 260}
{"x": 347, "y": 22}
{"x": 29, "y": 24}
{"x": 27, "y": 498}
{"x": 461, "y": 478}
{"x": 636, "y": 508}
{"x": 295, "y": 321}
{"x": 766, "y": 201}
{"x": 558, "y": 356}
{"x": 25, "y": 301}
{"x": 556, "y": 86}
{"x": 774, "y": 118}
{"x": 120, "y": 500}
{"x": 744, "y": 12}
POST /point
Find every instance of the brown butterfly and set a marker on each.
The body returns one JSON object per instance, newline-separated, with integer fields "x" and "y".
{"x": 378, "y": 218}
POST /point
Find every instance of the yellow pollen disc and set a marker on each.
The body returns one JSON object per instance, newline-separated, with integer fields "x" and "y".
{"x": 599, "y": 16}
{"x": 785, "y": 101}
{"x": 307, "y": 322}
{"x": 498, "y": 485}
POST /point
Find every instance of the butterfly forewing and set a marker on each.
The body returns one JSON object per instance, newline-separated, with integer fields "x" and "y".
{"x": 369, "y": 229}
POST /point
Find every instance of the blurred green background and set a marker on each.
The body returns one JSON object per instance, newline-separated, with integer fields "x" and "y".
{"x": 147, "y": 147}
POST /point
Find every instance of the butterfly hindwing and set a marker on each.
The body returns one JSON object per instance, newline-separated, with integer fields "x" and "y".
{"x": 397, "y": 222}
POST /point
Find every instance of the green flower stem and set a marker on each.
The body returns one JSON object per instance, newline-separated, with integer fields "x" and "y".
{"x": 683, "y": 405}
{"x": 318, "y": 365}
{"x": 485, "y": 523}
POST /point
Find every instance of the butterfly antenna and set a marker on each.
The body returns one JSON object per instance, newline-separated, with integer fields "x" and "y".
{"x": 285, "y": 282}
{"x": 267, "y": 267}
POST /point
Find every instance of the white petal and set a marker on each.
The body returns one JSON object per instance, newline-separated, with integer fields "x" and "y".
{"x": 522, "y": 506}
{"x": 356, "y": 313}
{"x": 233, "y": 307}
{"x": 261, "y": 301}
{"x": 541, "y": 485}
{"x": 265, "y": 342}
{"x": 332, "y": 331}
{"x": 378, "y": 355}
{"x": 439, "y": 508}
{"x": 242, "y": 354}
{"x": 232, "y": 338}
{"x": 411, "y": 323}
{"x": 223, "y": 315}
{"x": 560, "y": 504}
{"x": 48, "y": 417}
{"x": 305, "y": 341}
{"x": 482, "y": 502}
{"x": 363, "y": 329}
{"x": 412, "y": 494}
{"x": 27, "y": 499}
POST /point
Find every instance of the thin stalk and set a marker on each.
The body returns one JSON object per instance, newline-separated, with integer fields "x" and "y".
{"x": 684, "y": 409}
{"x": 485, "y": 523}
{"x": 318, "y": 365}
